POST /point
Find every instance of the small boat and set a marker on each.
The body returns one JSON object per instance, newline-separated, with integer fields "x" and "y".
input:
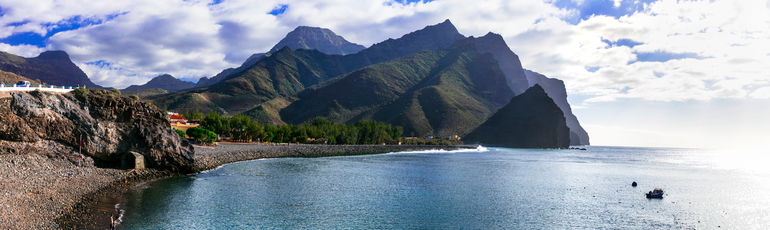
{"x": 655, "y": 194}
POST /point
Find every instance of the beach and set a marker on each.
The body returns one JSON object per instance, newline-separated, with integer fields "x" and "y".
{"x": 38, "y": 191}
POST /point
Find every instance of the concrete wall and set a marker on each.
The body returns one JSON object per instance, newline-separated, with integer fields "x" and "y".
{"x": 6, "y": 91}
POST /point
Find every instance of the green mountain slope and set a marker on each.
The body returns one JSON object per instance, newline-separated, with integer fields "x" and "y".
{"x": 444, "y": 93}
{"x": 282, "y": 74}
{"x": 287, "y": 72}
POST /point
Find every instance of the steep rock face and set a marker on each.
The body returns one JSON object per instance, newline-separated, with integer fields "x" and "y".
{"x": 164, "y": 82}
{"x": 51, "y": 67}
{"x": 530, "y": 120}
{"x": 321, "y": 39}
{"x": 507, "y": 60}
{"x": 558, "y": 92}
{"x": 110, "y": 126}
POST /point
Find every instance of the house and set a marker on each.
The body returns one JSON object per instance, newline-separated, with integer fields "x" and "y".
{"x": 178, "y": 122}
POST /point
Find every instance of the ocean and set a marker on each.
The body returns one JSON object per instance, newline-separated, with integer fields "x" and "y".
{"x": 483, "y": 188}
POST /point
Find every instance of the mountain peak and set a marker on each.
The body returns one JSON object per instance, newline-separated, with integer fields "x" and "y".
{"x": 163, "y": 81}
{"x": 529, "y": 120}
{"x": 317, "y": 38}
{"x": 164, "y": 77}
{"x": 446, "y": 27}
{"x": 447, "y": 23}
{"x": 54, "y": 54}
{"x": 310, "y": 29}
{"x": 492, "y": 35}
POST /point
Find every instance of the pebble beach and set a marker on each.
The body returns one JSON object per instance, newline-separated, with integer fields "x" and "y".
{"x": 40, "y": 192}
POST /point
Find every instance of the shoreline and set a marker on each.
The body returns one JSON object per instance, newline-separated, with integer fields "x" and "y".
{"x": 93, "y": 208}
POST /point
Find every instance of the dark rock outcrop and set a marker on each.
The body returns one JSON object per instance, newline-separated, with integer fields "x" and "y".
{"x": 557, "y": 91}
{"x": 530, "y": 120}
{"x": 508, "y": 61}
{"x": 164, "y": 82}
{"x": 111, "y": 126}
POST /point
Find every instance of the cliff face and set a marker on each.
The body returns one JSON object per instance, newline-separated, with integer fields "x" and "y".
{"x": 111, "y": 126}
{"x": 558, "y": 92}
{"x": 530, "y": 120}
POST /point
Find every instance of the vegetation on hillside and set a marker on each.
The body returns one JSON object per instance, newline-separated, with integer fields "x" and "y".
{"x": 443, "y": 93}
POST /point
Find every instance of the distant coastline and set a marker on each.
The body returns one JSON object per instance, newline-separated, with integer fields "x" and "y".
{"x": 92, "y": 210}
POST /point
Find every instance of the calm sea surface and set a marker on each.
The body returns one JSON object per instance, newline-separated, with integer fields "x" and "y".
{"x": 493, "y": 188}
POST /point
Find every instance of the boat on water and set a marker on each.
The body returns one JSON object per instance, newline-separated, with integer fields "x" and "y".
{"x": 655, "y": 194}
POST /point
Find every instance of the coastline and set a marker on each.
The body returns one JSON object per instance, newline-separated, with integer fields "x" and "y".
{"x": 86, "y": 202}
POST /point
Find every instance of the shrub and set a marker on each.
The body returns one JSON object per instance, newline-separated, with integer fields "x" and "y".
{"x": 115, "y": 91}
{"x": 81, "y": 93}
{"x": 180, "y": 132}
{"x": 202, "y": 135}
{"x": 134, "y": 97}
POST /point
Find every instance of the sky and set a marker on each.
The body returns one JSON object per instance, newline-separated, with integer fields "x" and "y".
{"x": 638, "y": 72}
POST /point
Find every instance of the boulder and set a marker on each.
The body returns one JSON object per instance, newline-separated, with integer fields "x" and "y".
{"x": 103, "y": 125}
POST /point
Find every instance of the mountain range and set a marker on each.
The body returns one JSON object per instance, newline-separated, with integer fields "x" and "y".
{"x": 433, "y": 82}
{"x": 165, "y": 82}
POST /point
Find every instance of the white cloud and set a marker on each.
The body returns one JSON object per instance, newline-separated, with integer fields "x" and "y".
{"x": 21, "y": 50}
{"x": 761, "y": 93}
{"x": 192, "y": 39}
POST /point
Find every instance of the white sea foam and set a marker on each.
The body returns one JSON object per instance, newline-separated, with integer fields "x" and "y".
{"x": 120, "y": 211}
{"x": 479, "y": 149}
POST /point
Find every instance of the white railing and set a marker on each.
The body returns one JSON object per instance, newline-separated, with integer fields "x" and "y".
{"x": 48, "y": 88}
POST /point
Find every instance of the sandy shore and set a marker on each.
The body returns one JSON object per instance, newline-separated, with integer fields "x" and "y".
{"x": 37, "y": 192}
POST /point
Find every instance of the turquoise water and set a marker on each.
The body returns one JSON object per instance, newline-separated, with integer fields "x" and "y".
{"x": 494, "y": 188}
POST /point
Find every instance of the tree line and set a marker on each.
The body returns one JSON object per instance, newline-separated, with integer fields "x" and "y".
{"x": 318, "y": 131}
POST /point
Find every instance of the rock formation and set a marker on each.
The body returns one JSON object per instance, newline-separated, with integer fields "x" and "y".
{"x": 558, "y": 92}
{"x": 111, "y": 126}
{"x": 530, "y": 120}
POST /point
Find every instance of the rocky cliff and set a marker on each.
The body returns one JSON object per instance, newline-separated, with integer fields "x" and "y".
{"x": 529, "y": 120}
{"x": 110, "y": 126}
{"x": 558, "y": 92}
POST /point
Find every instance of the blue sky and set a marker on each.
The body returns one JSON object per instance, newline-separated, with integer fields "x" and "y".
{"x": 671, "y": 57}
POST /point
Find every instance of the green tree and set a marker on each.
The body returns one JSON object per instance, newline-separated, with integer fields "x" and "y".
{"x": 202, "y": 135}
{"x": 180, "y": 132}
{"x": 194, "y": 115}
